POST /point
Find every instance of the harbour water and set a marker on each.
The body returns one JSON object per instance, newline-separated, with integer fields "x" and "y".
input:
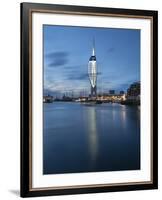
{"x": 79, "y": 138}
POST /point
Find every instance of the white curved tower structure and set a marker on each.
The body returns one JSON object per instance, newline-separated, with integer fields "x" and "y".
{"x": 92, "y": 72}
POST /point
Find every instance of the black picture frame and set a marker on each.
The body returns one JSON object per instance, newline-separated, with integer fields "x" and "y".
{"x": 26, "y": 104}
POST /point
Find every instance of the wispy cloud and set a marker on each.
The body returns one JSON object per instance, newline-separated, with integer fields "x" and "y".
{"x": 125, "y": 85}
{"x": 111, "y": 49}
{"x": 57, "y": 59}
{"x": 78, "y": 76}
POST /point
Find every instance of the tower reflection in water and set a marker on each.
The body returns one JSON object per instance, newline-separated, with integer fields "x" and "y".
{"x": 106, "y": 135}
{"x": 92, "y": 135}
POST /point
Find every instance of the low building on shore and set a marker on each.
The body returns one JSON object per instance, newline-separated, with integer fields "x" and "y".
{"x": 48, "y": 99}
{"x": 133, "y": 94}
{"x": 116, "y": 98}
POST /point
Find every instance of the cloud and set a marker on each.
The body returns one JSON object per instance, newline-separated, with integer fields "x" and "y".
{"x": 77, "y": 76}
{"x": 110, "y": 77}
{"x": 77, "y": 72}
{"x": 76, "y": 67}
{"x": 125, "y": 85}
{"x": 57, "y": 59}
{"x": 110, "y": 50}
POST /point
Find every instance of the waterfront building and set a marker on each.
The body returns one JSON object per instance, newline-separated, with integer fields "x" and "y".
{"x": 111, "y": 98}
{"x": 133, "y": 92}
{"x": 111, "y": 92}
{"x": 48, "y": 99}
{"x": 121, "y": 92}
{"x": 92, "y": 72}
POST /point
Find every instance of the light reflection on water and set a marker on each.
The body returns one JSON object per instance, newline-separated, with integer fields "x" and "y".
{"x": 92, "y": 134}
{"x": 80, "y": 138}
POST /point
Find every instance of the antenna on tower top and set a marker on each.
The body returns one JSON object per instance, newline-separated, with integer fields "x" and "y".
{"x": 93, "y": 49}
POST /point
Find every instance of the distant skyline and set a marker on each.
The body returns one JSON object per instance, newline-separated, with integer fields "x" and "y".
{"x": 67, "y": 51}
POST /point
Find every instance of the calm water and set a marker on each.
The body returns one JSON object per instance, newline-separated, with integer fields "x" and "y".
{"x": 79, "y": 138}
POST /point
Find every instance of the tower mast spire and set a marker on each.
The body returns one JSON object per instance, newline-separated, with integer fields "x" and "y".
{"x": 93, "y": 49}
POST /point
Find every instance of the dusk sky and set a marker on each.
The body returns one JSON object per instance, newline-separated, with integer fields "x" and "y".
{"x": 67, "y": 51}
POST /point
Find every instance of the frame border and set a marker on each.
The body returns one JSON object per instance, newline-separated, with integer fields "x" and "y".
{"x": 26, "y": 189}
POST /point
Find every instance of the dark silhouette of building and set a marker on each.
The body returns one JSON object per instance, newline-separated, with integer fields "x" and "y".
{"x": 48, "y": 99}
{"x": 134, "y": 90}
{"x": 111, "y": 91}
{"x": 121, "y": 92}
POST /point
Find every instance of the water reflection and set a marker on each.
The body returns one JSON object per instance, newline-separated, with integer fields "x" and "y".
{"x": 92, "y": 134}
{"x": 96, "y": 138}
{"x": 123, "y": 116}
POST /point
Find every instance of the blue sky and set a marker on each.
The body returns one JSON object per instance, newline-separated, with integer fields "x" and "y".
{"x": 67, "y": 51}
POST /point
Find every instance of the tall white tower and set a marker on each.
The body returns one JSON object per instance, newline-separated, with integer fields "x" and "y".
{"x": 92, "y": 72}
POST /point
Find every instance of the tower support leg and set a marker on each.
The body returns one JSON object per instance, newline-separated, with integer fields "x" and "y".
{"x": 93, "y": 91}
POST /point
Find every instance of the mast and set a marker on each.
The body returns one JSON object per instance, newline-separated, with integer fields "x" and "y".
{"x": 93, "y": 48}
